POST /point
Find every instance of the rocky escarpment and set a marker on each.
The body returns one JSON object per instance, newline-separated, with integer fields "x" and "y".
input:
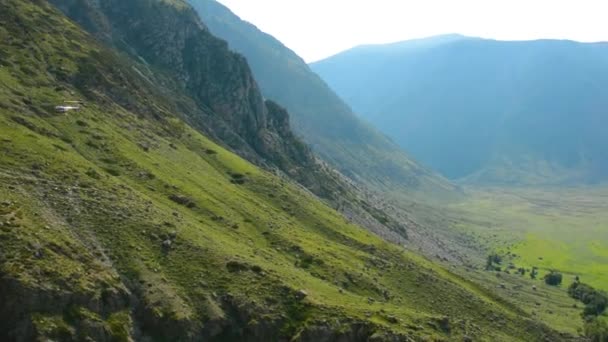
{"x": 174, "y": 43}
{"x": 170, "y": 38}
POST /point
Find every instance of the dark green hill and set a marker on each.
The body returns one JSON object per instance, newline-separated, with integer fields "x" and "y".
{"x": 123, "y": 222}
{"x": 492, "y": 111}
{"x": 323, "y": 119}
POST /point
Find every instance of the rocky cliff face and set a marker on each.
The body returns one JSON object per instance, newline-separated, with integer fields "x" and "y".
{"x": 172, "y": 40}
{"x": 322, "y": 119}
{"x": 169, "y": 37}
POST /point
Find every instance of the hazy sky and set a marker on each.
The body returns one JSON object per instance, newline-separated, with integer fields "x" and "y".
{"x": 319, "y": 28}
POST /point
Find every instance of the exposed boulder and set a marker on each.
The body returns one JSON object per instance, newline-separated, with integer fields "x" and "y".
{"x": 301, "y": 294}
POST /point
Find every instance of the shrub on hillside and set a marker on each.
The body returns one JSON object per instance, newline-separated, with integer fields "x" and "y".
{"x": 595, "y": 301}
{"x": 597, "y": 330}
{"x": 596, "y": 306}
{"x": 183, "y": 200}
{"x": 533, "y": 273}
{"x": 553, "y": 278}
{"x": 493, "y": 259}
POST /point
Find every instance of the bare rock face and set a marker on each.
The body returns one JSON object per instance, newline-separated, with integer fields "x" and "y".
{"x": 277, "y": 143}
{"x": 172, "y": 38}
{"x": 22, "y": 302}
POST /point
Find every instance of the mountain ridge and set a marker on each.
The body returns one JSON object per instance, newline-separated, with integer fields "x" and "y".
{"x": 324, "y": 120}
{"x": 475, "y": 108}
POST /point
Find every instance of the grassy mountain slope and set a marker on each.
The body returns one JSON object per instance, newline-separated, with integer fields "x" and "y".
{"x": 324, "y": 120}
{"x": 284, "y": 76}
{"x": 215, "y": 90}
{"x": 123, "y": 222}
{"x": 172, "y": 41}
{"x": 525, "y": 112}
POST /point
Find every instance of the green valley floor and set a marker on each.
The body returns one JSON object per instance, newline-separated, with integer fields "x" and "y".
{"x": 560, "y": 229}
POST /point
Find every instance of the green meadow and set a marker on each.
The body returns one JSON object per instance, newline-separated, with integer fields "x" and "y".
{"x": 563, "y": 229}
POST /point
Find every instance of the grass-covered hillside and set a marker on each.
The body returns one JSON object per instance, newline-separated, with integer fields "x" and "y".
{"x": 121, "y": 222}
{"x": 213, "y": 89}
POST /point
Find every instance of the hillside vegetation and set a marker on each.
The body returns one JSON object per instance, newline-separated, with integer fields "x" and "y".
{"x": 123, "y": 221}
{"x": 213, "y": 89}
{"x": 551, "y": 229}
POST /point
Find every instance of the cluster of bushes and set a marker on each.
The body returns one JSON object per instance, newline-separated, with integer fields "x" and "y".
{"x": 493, "y": 263}
{"x": 553, "y": 278}
{"x": 597, "y": 330}
{"x": 238, "y": 178}
{"x": 595, "y": 301}
{"x": 533, "y": 273}
{"x": 183, "y": 200}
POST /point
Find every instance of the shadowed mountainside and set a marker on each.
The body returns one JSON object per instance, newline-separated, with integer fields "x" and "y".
{"x": 324, "y": 120}
{"x": 519, "y": 112}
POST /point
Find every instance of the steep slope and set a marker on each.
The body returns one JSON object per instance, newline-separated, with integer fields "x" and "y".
{"x": 123, "y": 222}
{"x": 223, "y": 99}
{"x": 526, "y": 112}
{"x": 172, "y": 40}
{"x": 323, "y": 119}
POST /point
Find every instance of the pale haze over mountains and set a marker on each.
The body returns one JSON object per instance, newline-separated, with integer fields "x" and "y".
{"x": 510, "y": 110}
{"x": 528, "y": 112}
{"x": 340, "y": 25}
{"x": 354, "y": 147}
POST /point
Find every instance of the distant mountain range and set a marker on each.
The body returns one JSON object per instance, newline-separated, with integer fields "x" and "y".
{"x": 524, "y": 112}
{"x": 317, "y": 113}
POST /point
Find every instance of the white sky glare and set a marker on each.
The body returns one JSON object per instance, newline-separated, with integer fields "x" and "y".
{"x": 316, "y": 29}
